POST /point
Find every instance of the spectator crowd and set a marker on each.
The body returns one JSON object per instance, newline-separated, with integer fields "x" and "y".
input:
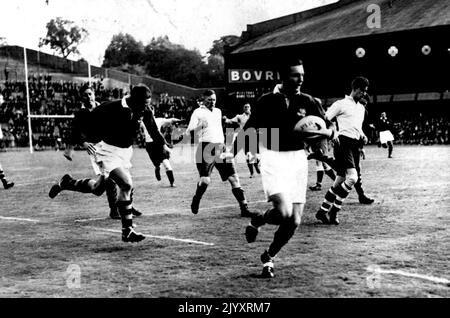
{"x": 50, "y": 97}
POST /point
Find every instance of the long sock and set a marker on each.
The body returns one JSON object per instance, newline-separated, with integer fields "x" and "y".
{"x": 111, "y": 193}
{"x": 201, "y": 189}
{"x": 2, "y": 178}
{"x": 257, "y": 167}
{"x": 391, "y": 148}
{"x": 271, "y": 216}
{"x": 342, "y": 193}
{"x": 81, "y": 185}
{"x": 328, "y": 201}
{"x": 281, "y": 237}
{"x": 170, "y": 176}
{"x": 320, "y": 176}
{"x": 250, "y": 168}
{"x": 126, "y": 214}
{"x": 239, "y": 195}
{"x": 331, "y": 174}
{"x": 358, "y": 187}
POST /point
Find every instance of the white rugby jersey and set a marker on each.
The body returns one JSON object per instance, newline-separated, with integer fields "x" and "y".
{"x": 210, "y": 122}
{"x": 349, "y": 116}
{"x": 241, "y": 119}
{"x": 159, "y": 122}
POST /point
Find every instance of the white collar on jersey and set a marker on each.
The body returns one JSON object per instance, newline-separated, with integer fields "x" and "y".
{"x": 124, "y": 102}
{"x": 279, "y": 87}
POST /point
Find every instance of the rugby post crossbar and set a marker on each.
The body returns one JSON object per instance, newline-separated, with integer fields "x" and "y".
{"x": 30, "y": 116}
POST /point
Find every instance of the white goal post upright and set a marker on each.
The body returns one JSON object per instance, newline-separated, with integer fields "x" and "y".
{"x": 89, "y": 73}
{"x": 28, "y": 99}
{"x": 29, "y": 115}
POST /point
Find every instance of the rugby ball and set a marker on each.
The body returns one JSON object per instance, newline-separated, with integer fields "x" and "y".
{"x": 311, "y": 127}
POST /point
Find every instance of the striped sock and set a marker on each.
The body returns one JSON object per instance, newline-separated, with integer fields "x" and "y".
{"x": 342, "y": 193}
{"x": 329, "y": 199}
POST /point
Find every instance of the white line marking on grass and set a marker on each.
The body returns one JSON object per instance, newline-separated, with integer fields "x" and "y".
{"x": 170, "y": 238}
{"x": 26, "y": 169}
{"x": 88, "y": 220}
{"x": 437, "y": 280}
{"x": 17, "y": 219}
{"x": 182, "y": 211}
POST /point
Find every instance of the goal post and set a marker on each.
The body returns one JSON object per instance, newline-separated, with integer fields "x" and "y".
{"x": 27, "y": 97}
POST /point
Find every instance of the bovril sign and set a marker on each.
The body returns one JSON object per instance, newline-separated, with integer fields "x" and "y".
{"x": 252, "y": 76}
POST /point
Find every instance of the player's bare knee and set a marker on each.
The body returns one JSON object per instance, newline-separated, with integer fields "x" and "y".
{"x": 234, "y": 181}
{"x": 351, "y": 177}
{"x": 295, "y": 220}
{"x": 285, "y": 211}
{"x": 205, "y": 181}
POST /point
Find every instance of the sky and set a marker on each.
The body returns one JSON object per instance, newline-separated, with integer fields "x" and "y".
{"x": 192, "y": 23}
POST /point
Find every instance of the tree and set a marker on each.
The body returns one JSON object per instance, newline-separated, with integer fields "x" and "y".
{"x": 64, "y": 36}
{"x": 123, "y": 49}
{"x": 173, "y": 62}
{"x": 218, "y": 47}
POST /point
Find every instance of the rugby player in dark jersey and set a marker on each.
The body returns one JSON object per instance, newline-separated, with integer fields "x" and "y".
{"x": 83, "y": 133}
{"x": 284, "y": 165}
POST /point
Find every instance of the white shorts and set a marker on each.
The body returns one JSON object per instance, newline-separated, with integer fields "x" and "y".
{"x": 285, "y": 172}
{"x": 386, "y": 136}
{"x": 109, "y": 157}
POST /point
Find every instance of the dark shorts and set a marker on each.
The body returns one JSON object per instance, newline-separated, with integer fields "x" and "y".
{"x": 207, "y": 157}
{"x": 155, "y": 153}
{"x": 347, "y": 155}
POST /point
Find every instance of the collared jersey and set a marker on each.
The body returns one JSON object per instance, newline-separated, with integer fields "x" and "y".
{"x": 118, "y": 127}
{"x": 349, "y": 116}
{"x": 210, "y": 124}
{"x": 384, "y": 124}
{"x": 84, "y": 127}
{"x": 275, "y": 111}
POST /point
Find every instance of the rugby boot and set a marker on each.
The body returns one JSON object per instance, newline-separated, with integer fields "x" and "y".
{"x": 267, "y": 260}
{"x": 130, "y": 236}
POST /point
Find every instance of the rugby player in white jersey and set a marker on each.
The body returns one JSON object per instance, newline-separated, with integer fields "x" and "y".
{"x": 207, "y": 121}
{"x": 349, "y": 114}
{"x": 157, "y": 157}
{"x": 253, "y": 160}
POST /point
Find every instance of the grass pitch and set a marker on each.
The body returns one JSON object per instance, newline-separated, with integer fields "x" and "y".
{"x": 68, "y": 247}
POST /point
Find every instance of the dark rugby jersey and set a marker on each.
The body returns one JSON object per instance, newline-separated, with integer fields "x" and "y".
{"x": 117, "y": 127}
{"x": 272, "y": 111}
{"x": 84, "y": 127}
{"x": 384, "y": 124}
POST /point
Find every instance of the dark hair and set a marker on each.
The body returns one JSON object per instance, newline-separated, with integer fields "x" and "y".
{"x": 140, "y": 92}
{"x": 360, "y": 83}
{"x": 287, "y": 64}
{"x": 85, "y": 88}
{"x": 209, "y": 92}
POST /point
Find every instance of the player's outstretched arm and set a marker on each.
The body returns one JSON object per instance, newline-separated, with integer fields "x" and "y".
{"x": 152, "y": 128}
